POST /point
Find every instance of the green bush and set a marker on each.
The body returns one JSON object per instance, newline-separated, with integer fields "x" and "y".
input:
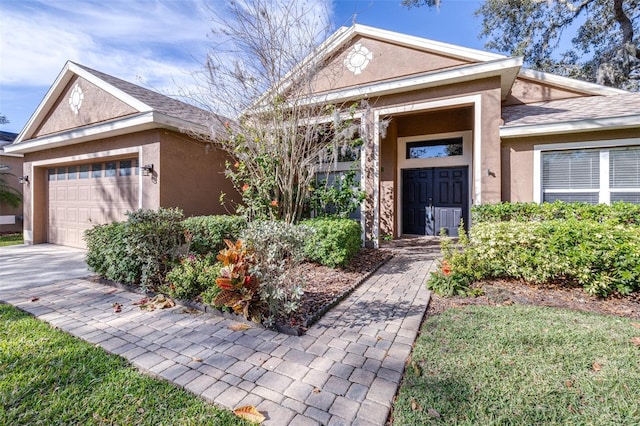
{"x": 601, "y": 257}
{"x": 333, "y": 242}
{"x": 136, "y": 251}
{"x": 208, "y": 232}
{"x": 192, "y": 276}
{"x": 616, "y": 213}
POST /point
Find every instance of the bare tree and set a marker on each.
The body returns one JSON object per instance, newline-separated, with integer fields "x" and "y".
{"x": 262, "y": 69}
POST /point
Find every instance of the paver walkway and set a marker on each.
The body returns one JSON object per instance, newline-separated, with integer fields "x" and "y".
{"x": 345, "y": 370}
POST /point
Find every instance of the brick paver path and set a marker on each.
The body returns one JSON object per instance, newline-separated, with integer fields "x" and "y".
{"x": 345, "y": 370}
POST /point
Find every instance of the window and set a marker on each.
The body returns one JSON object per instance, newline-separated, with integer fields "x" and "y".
{"x": 110, "y": 169}
{"x": 96, "y": 170}
{"x": 84, "y": 172}
{"x": 593, "y": 176}
{"x": 436, "y": 148}
{"x": 62, "y": 173}
{"x": 51, "y": 173}
{"x": 73, "y": 172}
{"x": 125, "y": 168}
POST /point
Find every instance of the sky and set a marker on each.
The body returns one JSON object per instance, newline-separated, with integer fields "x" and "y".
{"x": 158, "y": 44}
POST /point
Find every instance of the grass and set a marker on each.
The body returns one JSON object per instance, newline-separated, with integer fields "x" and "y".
{"x": 11, "y": 239}
{"x": 522, "y": 365}
{"x": 50, "y": 377}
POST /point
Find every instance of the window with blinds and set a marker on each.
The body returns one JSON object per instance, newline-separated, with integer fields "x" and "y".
{"x": 604, "y": 175}
{"x": 571, "y": 176}
{"x": 624, "y": 174}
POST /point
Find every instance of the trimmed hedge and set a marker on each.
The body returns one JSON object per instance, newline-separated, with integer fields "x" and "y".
{"x": 209, "y": 232}
{"x": 616, "y": 213}
{"x": 135, "y": 251}
{"x": 334, "y": 241}
{"x": 601, "y": 257}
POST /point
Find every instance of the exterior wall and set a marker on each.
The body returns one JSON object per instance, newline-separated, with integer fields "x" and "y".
{"x": 97, "y": 106}
{"x": 192, "y": 176}
{"x": 517, "y": 159}
{"x": 455, "y": 116}
{"x": 525, "y": 91}
{"x": 388, "y": 61}
{"x": 15, "y": 168}
{"x": 146, "y": 145}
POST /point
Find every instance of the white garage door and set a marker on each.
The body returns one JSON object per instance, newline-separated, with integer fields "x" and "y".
{"x": 84, "y": 195}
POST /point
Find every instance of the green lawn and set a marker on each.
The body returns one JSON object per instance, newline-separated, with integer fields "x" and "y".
{"x": 50, "y": 377}
{"x": 522, "y": 365}
{"x": 10, "y": 239}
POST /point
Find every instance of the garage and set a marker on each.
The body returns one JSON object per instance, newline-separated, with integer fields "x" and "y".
{"x": 81, "y": 196}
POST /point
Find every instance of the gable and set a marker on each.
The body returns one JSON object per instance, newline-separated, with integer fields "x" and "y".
{"x": 527, "y": 91}
{"x": 367, "y": 60}
{"x": 90, "y": 105}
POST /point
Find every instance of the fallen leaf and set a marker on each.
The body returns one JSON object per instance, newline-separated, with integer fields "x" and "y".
{"x": 116, "y": 307}
{"x": 433, "y": 413}
{"x": 239, "y": 326}
{"x": 142, "y": 301}
{"x": 596, "y": 366}
{"x": 415, "y": 406}
{"x": 507, "y": 302}
{"x": 317, "y": 390}
{"x": 249, "y": 412}
{"x": 635, "y": 324}
{"x": 141, "y": 410}
{"x": 33, "y": 299}
{"x": 568, "y": 383}
{"x": 113, "y": 290}
{"x": 378, "y": 338}
{"x": 196, "y": 359}
{"x": 635, "y": 340}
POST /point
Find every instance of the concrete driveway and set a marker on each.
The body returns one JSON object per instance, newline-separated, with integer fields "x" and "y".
{"x": 24, "y": 266}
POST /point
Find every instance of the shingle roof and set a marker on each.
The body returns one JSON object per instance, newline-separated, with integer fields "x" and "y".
{"x": 574, "y": 109}
{"x": 159, "y": 102}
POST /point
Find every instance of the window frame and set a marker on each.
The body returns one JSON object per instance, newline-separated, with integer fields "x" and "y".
{"x": 604, "y": 146}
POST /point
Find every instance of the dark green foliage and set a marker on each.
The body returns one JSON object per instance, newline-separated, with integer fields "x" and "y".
{"x": 334, "y": 241}
{"x": 616, "y": 213}
{"x": 601, "y": 257}
{"x": 192, "y": 276}
{"x": 136, "y": 251}
{"x": 340, "y": 199}
{"x": 209, "y": 232}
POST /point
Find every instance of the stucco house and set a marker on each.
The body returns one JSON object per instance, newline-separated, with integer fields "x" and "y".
{"x": 98, "y": 146}
{"x": 11, "y": 166}
{"x": 446, "y": 126}
{"x": 450, "y": 127}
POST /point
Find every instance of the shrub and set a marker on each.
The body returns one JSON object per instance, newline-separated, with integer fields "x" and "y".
{"x": 136, "y": 251}
{"x": 278, "y": 248}
{"x": 209, "y": 232}
{"x": 601, "y": 257}
{"x": 192, "y": 276}
{"x": 333, "y": 241}
{"x": 616, "y": 213}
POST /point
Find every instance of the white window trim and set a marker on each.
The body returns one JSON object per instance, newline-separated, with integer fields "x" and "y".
{"x": 604, "y": 190}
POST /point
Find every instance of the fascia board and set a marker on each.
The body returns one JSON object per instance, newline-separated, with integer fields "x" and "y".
{"x": 451, "y": 50}
{"x": 140, "y": 122}
{"x": 504, "y": 67}
{"x": 570, "y": 83}
{"x": 575, "y": 126}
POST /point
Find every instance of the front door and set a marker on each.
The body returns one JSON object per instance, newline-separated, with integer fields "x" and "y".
{"x": 434, "y": 198}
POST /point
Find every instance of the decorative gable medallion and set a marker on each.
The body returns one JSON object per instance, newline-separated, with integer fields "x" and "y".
{"x": 358, "y": 58}
{"x": 75, "y": 98}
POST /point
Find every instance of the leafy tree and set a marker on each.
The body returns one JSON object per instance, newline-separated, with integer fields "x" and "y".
{"x": 277, "y": 137}
{"x": 3, "y": 119}
{"x": 605, "y": 40}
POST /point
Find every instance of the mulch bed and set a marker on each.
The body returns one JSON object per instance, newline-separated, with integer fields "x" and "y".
{"x": 324, "y": 287}
{"x": 508, "y": 292}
